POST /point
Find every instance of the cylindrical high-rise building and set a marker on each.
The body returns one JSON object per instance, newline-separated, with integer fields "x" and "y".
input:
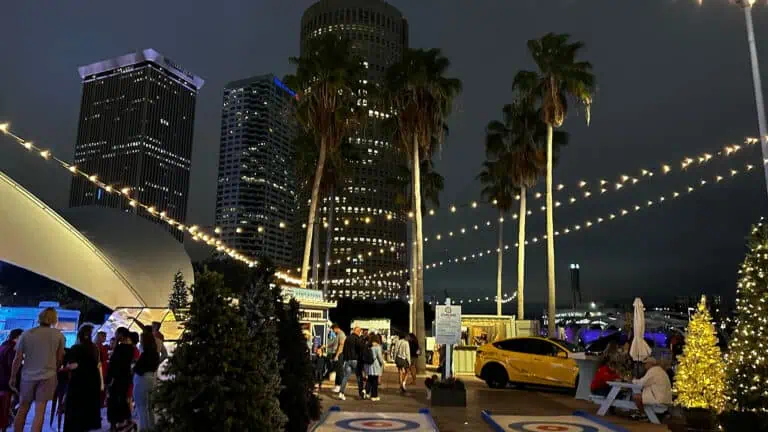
{"x": 368, "y": 253}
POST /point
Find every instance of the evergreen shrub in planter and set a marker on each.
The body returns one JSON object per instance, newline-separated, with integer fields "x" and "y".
{"x": 450, "y": 392}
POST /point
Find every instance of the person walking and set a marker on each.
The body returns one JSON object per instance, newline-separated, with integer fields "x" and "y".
{"x": 376, "y": 368}
{"x": 82, "y": 405}
{"x": 402, "y": 356}
{"x": 7, "y": 354}
{"x": 337, "y": 364}
{"x": 144, "y": 379}
{"x": 42, "y": 351}
{"x": 119, "y": 381}
{"x": 352, "y": 350}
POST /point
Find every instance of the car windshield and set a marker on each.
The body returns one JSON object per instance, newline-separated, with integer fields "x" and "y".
{"x": 571, "y": 347}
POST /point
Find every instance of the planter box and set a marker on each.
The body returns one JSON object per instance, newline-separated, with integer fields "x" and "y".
{"x": 451, "y": 397}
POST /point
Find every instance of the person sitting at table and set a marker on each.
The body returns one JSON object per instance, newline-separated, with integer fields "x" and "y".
{"x": 599, "y": 385}
{"x": 657, "y": 390}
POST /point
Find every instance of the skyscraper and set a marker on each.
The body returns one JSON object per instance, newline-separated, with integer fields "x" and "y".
{"x": 370, "y": 229}
{"x": 136, "y": 128}
{"x": 256, "y": 190}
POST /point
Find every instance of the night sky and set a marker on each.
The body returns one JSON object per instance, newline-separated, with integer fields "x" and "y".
{"x": 673, "y": 81}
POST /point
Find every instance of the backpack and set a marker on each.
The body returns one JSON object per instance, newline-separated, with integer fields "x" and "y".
{"x": 367, "y": 356}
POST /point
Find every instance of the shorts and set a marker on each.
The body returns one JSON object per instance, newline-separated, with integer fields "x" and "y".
{"x": 37, "y": 390}
{"x": 401, "y": 363}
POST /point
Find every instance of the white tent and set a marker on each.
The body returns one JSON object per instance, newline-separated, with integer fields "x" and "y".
{"x": 639, "y": 350}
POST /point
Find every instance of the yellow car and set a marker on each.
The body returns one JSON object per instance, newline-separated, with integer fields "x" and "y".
{"x": 527, "y": 360}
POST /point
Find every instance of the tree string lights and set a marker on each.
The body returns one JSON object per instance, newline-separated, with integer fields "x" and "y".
{"x": 197, "y": 233}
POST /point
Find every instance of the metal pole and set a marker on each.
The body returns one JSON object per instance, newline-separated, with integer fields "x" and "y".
{"x": 747, "y": 5}
{"x": 448, "y": 352}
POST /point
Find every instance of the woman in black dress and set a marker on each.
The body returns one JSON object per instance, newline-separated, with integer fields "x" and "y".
{"x": 83, "y": 401}
{"x": 119, "y": 380}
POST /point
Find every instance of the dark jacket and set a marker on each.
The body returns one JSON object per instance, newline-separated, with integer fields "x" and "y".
{"x": 353, "y": 347}
{"x": 7, "y": 353}
{"x": 148, "y": 362}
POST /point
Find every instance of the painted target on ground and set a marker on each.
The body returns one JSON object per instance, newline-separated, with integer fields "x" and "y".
{"x": 377, "y": 424}
{"x": 547, "y": 426}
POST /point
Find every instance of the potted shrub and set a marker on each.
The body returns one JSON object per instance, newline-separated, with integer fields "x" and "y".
{"x": 449, "y": 392}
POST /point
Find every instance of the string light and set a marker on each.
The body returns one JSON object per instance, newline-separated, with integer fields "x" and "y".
{"x": 590, "y": 224}
{"x": 196, "y": 233}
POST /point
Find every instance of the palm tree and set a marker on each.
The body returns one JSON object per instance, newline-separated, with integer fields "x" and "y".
{"x": 560, "y": 78}
{"x": 499, "y": 190}
{"x": 419, "y": 96}
{"x": 326, "y": 81}
{"x": 333, "y": 177}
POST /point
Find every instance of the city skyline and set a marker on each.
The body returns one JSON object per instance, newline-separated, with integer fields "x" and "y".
{"x": 694, "y": 105}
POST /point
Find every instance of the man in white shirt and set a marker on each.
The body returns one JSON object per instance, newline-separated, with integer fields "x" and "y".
{"x": 657, "y": 390}
{"x": 42, "y": 350}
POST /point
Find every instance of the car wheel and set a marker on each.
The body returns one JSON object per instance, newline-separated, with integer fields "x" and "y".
{"x": 495, "y": 376}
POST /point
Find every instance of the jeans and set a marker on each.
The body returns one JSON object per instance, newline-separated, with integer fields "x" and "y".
{"x": 350, "y": 366}
{"x": 143, "y": 386}
{"x": 373, "y": 385}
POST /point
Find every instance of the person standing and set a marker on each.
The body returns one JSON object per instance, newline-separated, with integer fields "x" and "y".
{"x": 101, "y": 345}
{"x": 119, "y": 380}
{"x": 42, "y": 351}
{"x": 82, "y": 406}
{"x": 159, "y": 341}
{"x": 402, "y": 354}
{"x": 352, "y": 350}
{"x": 7, "y": 354}
{"x": 413, "y": 344}
{"x": 144, "y": 379}
{"x": 338, "y": 358}
{"x": 375, "y": 369}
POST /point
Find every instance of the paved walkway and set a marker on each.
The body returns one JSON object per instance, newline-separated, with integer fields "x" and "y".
{"x": 509, "y": 401}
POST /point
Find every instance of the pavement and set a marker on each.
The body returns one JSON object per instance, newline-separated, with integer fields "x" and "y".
{"x": 510, "y": 401}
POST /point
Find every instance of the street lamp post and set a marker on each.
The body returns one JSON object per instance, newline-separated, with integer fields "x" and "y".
{"x": 747, "y": 6}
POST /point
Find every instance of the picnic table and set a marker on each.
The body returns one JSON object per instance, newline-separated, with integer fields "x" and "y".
{"x": 626, "y": 403}
{"x": 587, "y": 368}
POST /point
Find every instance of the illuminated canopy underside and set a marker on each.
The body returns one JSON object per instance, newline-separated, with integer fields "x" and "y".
{"x": 113, "y": 257}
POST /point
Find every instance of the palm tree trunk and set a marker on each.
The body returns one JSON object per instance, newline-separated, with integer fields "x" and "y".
{"x": 312, "y": 211}
{"x": 500, "y": 264}
{"x": 550, "y": 241}
{"x": 412, "y": 264}
{"x": 521, "y": 255}
{"x": 328, "y": 241}
{"x": 418, "y": 292}
{"x": 316, "y": 252}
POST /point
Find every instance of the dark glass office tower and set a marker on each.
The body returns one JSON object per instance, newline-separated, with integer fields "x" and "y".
{"x": 256, "y": 190}
{"x": 136, "y": 128}
{"x": 370, "y": 228}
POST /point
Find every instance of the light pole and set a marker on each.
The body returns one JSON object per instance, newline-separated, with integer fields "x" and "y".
{"x": 747, "y": 6}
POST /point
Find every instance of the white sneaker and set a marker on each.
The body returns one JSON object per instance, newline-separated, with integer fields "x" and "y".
{"x": 341, "y": 396}
{"x": 336, "y": 389}
{"x": 375, "y": 399}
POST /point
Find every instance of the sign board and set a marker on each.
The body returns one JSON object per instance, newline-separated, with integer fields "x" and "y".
{"x": 448, "y": 325}
{"x": 302, "y": 293}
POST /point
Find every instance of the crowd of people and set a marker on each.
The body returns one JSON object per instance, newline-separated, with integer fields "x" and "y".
{"x": 364, "y": 356}
{"x": 35, "y": 368}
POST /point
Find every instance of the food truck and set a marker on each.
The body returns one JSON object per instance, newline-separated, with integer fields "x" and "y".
{"x": 313, "y": 311}
{"x": 25, "y": 318}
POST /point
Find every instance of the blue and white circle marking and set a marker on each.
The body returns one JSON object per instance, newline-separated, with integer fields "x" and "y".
{"x": 545, "y": 426}
{"x": 377, "y": 424}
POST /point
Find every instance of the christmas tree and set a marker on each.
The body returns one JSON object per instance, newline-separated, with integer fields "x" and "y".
{"x": 219, "y": 377}
{"x": 179, "y": 297}
{"x": 747, "y": 362}
{"x": 296, "y": 398}
{"x": 700, "y": 378}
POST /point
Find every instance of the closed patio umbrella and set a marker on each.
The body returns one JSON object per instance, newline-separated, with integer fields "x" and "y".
{"x": 639, "y": 349}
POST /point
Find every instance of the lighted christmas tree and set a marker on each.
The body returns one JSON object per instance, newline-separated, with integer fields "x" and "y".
{"x": 179, "y": 297}
{"x": 747, "y": 362}
{"x": 700, "y": 378}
